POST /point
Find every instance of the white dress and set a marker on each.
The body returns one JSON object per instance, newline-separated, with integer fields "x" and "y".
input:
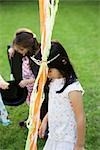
{"x": 61, "y": 118}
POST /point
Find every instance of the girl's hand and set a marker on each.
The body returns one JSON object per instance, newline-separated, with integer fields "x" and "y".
{"x": 23, "y": 83}
{"x": 11, "y": 52}
{"x": 42, "y": 128}
{"x": 79, "y": 148}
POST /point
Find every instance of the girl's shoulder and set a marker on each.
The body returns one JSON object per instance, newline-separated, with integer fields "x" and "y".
{"x": 75, "y": 86}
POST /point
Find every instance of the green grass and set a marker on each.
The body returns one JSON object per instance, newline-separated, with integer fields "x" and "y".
{"x": 77, "y": 28}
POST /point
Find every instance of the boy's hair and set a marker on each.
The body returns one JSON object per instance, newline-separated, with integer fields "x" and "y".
{"x": 26, "y": 39}
{"x": 62, "y": 63}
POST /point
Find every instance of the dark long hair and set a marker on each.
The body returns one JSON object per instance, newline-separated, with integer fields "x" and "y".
{"x": 26, "y": 40}
{"x": 62, "y": 63}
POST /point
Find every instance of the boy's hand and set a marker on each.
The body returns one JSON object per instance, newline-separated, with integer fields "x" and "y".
{"x": 4, "y": 85}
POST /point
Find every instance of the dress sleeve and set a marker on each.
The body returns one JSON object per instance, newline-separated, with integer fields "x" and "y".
{"x": 76, "y": 86}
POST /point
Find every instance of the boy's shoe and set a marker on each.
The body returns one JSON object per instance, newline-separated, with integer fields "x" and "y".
{"x": 6, "y": 122}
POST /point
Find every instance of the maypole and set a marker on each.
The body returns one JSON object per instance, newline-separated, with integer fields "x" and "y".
{"x": 48, "y": 9}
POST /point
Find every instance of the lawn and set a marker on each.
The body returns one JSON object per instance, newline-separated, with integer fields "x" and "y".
{"x": 77, "y": 28}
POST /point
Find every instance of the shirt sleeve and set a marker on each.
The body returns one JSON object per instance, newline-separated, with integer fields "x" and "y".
{"x": 76, "y": 86}
{"x": 1, "y": 79}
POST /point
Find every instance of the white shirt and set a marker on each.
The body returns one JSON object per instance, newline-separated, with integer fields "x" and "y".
{"x": 61, "y": 118}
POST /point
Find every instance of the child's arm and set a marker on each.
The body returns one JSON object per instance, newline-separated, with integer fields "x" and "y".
{"x": 77, "y": 104}
{"x": 25, "y": 82}
{"x": 43, "y": 126}
{"x": 11, "y": 52}
{"x": 3, "y": 83}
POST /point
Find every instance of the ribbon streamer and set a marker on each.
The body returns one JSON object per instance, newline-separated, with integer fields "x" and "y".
{"x": 48, "y": 9}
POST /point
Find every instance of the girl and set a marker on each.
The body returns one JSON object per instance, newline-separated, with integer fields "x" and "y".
{"x": 25, "y": 43}
{"x": 65, "y": 115}
{"x": 25, "y": 71}
{"x": 3, "y": 112}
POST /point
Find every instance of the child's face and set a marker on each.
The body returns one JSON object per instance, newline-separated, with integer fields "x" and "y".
{"x": 54, "y": 73}
{"x": 20, "y": 50}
